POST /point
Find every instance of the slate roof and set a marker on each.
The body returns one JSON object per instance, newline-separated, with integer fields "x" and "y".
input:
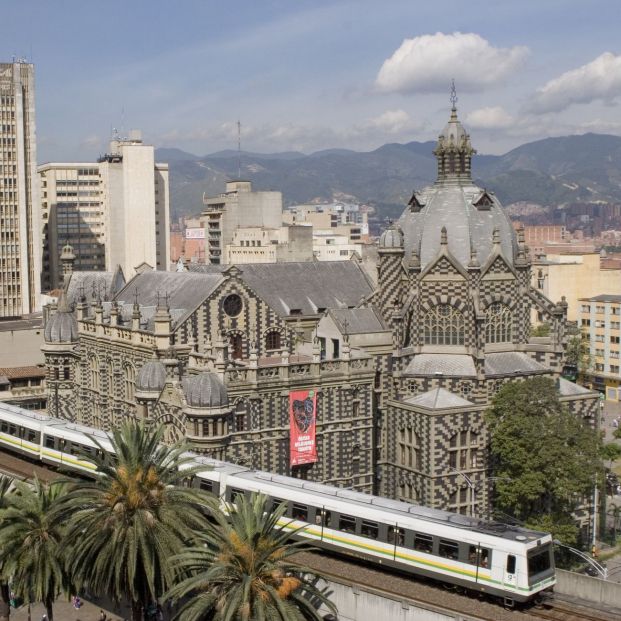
{"x": 358, "y": 320}
{"x": 438, "y": 399}
{"x": 603, "y": 298}
{"x": 567, "y": 388}
{"x": 302, "y": 288}
{"x": 185, "y": 292}
{"x": 450, "y": 205}
{"x": 512, "y": 362}
{"x": 94, "y": 285}
{"x": 453, "y": 365}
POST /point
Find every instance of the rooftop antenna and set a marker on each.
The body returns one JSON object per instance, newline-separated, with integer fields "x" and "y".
{"x": 238, "y": 150}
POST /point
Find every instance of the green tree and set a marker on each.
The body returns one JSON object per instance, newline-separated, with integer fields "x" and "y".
{"x": 6, "y": 486}
{"x": 126, "y": 525}
{"x": 546, "y": 458}
{"x": 611, "y": 452}
{"x": 578, "y": 353}
{"x": 542, "y": 329}
{"x": 241, "y": 570}
{"x": 31, "y": 542}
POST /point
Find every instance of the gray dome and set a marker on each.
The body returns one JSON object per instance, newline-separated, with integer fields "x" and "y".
{"x": 205, "y": 391}
{"x": 467, "y": 225}
{"x": 151, "y": 377}
{"x": 391, "y": 238}
{"x": 61, "y": 327}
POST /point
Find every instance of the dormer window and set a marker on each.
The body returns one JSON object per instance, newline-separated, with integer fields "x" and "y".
{"x": 484, "y": 201}
{"x": 416, "y": 203}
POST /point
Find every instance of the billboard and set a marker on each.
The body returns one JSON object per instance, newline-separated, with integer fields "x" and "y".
{"x": 195, "y": 233}
{"x": 302, "y": 421}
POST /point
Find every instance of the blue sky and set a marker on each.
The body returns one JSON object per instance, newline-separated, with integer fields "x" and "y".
{"x": 309, "y": 75}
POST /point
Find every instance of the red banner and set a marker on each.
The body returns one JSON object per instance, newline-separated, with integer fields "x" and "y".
{"x": 302, "y": 419}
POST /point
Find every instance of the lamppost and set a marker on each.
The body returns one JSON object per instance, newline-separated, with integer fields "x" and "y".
{"x": 601, "y": 570}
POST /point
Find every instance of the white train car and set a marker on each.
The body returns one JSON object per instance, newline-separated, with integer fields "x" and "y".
{"x": 513, "y": 563}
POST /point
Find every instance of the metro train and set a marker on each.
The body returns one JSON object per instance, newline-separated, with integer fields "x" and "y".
{"x": 512, "y": 563}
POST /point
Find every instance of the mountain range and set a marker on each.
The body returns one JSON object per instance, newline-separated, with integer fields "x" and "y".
{"x": 552, "y": 172}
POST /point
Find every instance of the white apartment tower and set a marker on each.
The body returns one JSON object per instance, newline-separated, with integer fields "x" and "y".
{"x": 114, "y": 212}
{"x": 20, "y": 241}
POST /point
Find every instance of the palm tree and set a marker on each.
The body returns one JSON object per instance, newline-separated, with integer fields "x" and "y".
{"x": 240, "y": 570}
{"x": 31, "y": 543}
{"x": 124, "y": 526}
{"x": 6, "y": 484}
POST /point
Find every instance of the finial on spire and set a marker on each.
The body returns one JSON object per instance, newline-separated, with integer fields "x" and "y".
{"x": 453, "y": 95}
{"x": 443, "y": 236}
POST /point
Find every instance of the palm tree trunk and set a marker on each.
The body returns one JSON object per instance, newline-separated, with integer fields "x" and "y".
{"x": 136, "y": 611}
{"x": 49, "y": 609}
{"x": 5, "y": 602}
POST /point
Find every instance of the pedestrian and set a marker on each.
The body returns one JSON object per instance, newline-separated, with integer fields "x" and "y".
{"x": 102, "y": 616}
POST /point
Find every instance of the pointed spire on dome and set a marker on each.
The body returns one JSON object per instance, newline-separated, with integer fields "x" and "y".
{"x": 444, "y": 236}
{"x": 454, "y": 151}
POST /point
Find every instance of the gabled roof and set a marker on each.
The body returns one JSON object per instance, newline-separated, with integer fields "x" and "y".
{"x": 567, "y": 388}
{"x": 302, "y": 288}
{"x": 185, "y": 291}
{"x": 452, "y": 365}
{"x": 438, "y": 399}
{"x": 94, "y": 285}
{"x": 358, "y": 320}
{"x": 512, "y": 362}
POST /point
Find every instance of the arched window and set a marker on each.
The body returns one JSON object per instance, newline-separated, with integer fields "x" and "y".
{"x": 499, "y": 323}
{"x": 464, "y": 450}
{"x": 241, "y": 416}
{"x": 444, "y": 325}
{"x": 409, "y": 448}
{"x": 407, "y": 492}
{"x": 236, "y": 342}
{"x": 272, "y": 340}
{"x": 93, "y": 365}
{"x": 130, "y": 382}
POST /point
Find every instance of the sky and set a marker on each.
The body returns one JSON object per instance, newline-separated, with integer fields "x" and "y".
{"x": 307, "y": 75}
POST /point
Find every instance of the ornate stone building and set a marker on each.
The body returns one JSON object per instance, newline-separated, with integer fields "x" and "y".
{"x": 403, "y": 371}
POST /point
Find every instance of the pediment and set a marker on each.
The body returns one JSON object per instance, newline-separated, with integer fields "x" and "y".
{"x": 444, "y": 268}
{"x": 498, "y": 267}
{"x": 483, "y": 201}
{"x": 416, "y": 203}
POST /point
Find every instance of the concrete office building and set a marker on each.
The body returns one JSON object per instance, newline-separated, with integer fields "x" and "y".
{"x": 20, "y": 253}
{"x": 113, "y": 212}
{"x": 237, "y": 207}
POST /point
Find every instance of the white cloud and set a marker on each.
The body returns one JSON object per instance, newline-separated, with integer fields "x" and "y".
{"x": 429, "y": 62}
{"x": 389, "y": 122}
{"x": 493, "y": 117}
{"x": 598, "y": 80}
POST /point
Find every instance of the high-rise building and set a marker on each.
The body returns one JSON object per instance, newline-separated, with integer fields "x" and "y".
{"x": 237, "y": 207}
{"x": 113, "y": 212}
{"x": 20, "y": 242}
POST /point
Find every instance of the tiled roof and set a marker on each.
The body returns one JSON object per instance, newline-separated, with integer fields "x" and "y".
{"x": 438, "y": 399}
{"x": 567, "y": 388}
{"x": 302, "y": 288}
{"x": 358, "y": 320}
{"x": 22, "y": 372}
{"x": 512, "y": 362}
{"x": 453, "y": 365}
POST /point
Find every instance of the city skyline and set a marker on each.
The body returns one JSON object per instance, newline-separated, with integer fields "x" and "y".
{"x": 308, "y": 76}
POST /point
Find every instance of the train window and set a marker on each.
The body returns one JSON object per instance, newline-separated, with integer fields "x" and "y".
{"x": 423, "y": 543}
{"x": 299, "y": 512}
{"x": 276, "y": 502}
{"x": 479, "y": 556}
{"x": 323, "y": 516}
{"x": 31, "y": 435}
{"x": 448, "y": 549}
{"x": 369, "y": 529}
{"x": 396, "y": 536}
{"x": 347, "y": 523}
{"x": 13, "y": 430}
{"x": 539, "y": 562}
{"x": 235, "y": 493}
{"x": 49, "y": 442}
{"x": 510, "y": 564}
{"x": 4, "y": 427}
{"x": 206, "y": 485}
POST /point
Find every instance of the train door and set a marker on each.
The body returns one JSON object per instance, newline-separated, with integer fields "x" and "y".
{"x": 510, "y": 571}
